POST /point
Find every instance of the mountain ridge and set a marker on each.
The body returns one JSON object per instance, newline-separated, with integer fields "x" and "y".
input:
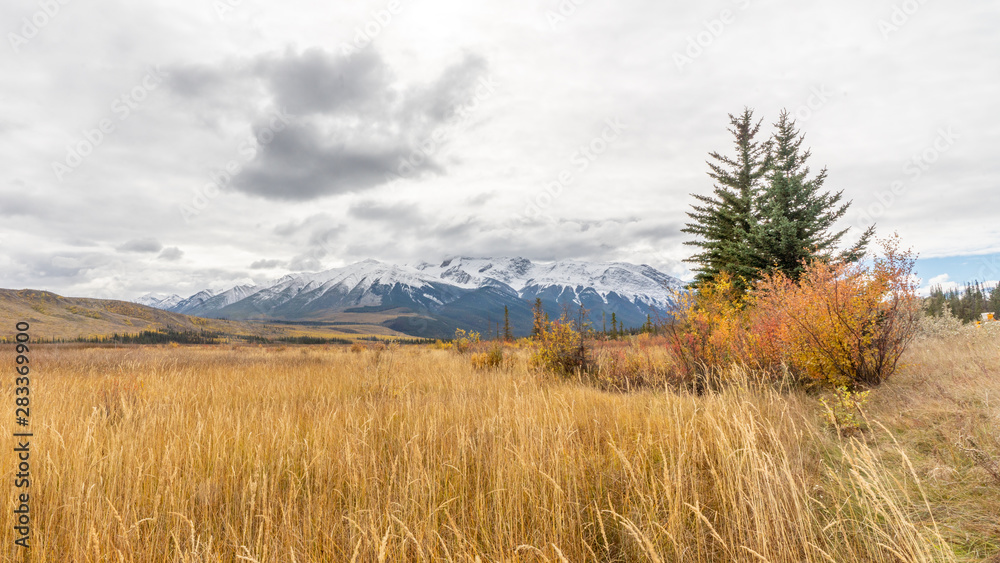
{"x": 460, "y": 292}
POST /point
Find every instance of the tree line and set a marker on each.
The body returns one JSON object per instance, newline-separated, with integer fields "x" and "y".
{"x": 966, "y": 304}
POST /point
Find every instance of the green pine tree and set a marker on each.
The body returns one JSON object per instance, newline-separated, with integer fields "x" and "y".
{"x": 724, "y": 220}
{"x": 796, "y": 214}
{"x": 507, "y": 336}
{"x": 540, "y": 318}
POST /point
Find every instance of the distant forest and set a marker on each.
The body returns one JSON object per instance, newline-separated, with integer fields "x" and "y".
{"x": 967, "y": 304}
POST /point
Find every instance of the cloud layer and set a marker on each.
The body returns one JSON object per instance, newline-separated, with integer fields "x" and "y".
{"x": 332, "y": 123}
{"x": 170, "y": 147}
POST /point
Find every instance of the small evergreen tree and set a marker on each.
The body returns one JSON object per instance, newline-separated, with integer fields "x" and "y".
{"x": 724, "y": 220}
{"x": 507, "y": 336}
{"x": 540, "y": 319}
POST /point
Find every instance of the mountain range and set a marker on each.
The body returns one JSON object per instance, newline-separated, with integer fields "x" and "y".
{"x": 431, "y": 300}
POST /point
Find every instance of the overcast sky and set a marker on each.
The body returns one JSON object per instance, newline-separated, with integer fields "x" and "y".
{"x": 170, "y": 146}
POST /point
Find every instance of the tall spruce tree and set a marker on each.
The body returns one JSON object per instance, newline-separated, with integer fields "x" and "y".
{"x": 724, "y": 220}
{"x": 795, "y": 214}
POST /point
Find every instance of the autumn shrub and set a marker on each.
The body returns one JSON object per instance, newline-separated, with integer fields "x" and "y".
{"x": 842, "y": 323}
{"x": 561, "y": 347}
{"x": 711, "y": 331}
{"x": 844, "y": 410}
{"x": 493, "y": 358}
{"x": 464, "y": 341}
{"x": 937, "y": 326}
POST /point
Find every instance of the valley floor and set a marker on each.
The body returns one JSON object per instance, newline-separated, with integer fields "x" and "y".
{"x": 328, "y": 454}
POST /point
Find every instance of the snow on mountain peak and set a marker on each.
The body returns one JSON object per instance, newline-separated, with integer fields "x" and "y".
{"x": 372, "y": 282}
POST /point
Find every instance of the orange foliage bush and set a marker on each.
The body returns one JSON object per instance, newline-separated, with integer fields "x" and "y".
{"x": 843, "y": 324}
{"x": 712, "y": 330}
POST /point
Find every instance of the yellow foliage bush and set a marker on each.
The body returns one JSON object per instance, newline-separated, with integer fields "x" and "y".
{"x": 464, "y": 341}
{"x": 491, "y": 359}
{"x": 560, "y": 347}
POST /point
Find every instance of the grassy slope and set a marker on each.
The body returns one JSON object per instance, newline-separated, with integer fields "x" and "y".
{"x": 163, "y": 454}
{"x": 54, "y": 316}
{"x": 950, "y": 392}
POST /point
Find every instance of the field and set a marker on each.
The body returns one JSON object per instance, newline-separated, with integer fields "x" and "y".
{"x": 187, "y": 453}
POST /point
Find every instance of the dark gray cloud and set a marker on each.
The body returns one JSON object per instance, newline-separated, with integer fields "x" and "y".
{"x": 171, "y": 253}
{"x": 145, "y": 244}
{"x": 15, "y": 203}
{"x": 344, "y": 124}
{"x": 295, "y": 226}
{"x": 64, "y": 264}
{"x": 305, "y": 263}
{"x": 303, "y": 162}
{"x": 401, "y": 214}
{"x": 316, "y": 81}
{"x": 443, "y": 98}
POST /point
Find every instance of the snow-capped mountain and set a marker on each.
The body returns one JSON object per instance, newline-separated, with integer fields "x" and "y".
{"x": 212, "y": 299}
{"x": 461, "y": 292}
{"x": 159, "y": 300}
{"x": 629, "y": 281}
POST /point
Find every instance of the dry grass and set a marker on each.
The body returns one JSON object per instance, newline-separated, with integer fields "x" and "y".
{"x": 944, "y": 411}
{"x": 324, "y": 454}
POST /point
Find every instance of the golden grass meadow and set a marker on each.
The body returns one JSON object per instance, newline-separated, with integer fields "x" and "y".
{"x": 298, "y": 453}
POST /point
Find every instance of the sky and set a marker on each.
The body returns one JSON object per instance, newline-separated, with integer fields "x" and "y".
{"x": 170, "y": 146}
